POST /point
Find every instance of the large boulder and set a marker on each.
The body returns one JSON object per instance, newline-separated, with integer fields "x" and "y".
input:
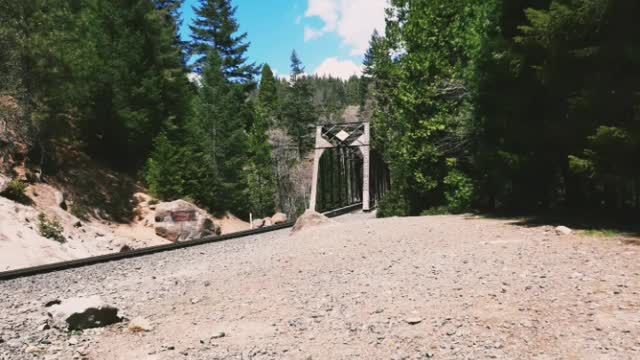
{"x": 83, "y": 313}
{"x": 279, "y": 218}
{"x": 179, "y": 221}
{"x": 258, "y": 223}
{"x": 310, "y": 219}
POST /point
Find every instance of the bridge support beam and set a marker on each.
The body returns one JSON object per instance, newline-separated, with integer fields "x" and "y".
{"x": 316, "y": 172}
{"x": 366, "y": 167}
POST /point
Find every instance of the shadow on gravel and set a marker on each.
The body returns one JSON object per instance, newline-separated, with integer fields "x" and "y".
{"x": 610, "y": 223}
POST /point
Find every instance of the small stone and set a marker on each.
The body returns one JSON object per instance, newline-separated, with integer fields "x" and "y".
{"x": 31, "y": 349}
{"x": 139, "y": 325}
{"x": 73, "y": 341}
{"x": 218, "y": 335}
{"x": 413, "y": 320}
{"x": 563, "y": 230}
{"x": 51, "y": 302}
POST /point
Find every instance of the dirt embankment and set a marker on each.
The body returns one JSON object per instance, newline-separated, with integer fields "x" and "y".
{"x": 99, "y": 210}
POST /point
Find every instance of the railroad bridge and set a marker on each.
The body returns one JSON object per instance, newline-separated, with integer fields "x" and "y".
{"x": 346, "y": 170}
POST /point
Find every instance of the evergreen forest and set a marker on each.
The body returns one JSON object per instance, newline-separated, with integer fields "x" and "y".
{"x": 491, "y": 105}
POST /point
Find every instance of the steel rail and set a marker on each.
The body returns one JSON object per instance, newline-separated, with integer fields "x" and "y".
{"x": 77, "y": 263}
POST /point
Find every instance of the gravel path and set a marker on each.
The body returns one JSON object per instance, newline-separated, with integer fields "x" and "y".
{"x": 444, "y": 287}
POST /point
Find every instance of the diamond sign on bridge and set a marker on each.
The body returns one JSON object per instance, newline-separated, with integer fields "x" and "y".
{"x": 343, "y": 135}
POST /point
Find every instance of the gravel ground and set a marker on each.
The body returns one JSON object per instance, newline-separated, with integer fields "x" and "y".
{"x": 444, "y": 287}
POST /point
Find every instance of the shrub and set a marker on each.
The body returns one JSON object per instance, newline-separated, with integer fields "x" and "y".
{"x": 80, "y": 211}
{"x": 393, "y": 204}
{"x": 51, "y": 229}
{"x": 16, "y": 192}
{"x": 440, "y": 210}
{"x": 154, "y": 202}
{"x": 460, "y": 191}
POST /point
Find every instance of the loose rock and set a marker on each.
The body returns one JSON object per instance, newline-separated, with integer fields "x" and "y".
{"x": 563, "y": 230}
{"x": 413, "y": 320}
{"x": 259, "y": 223}
{"x": 309, "y": 219}
{"x": 84, "y": 313}
{"x": 139, "y": 325}
{"x": 279, "y": 218}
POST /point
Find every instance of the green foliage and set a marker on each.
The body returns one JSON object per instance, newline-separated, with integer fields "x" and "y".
{"x": 80, "y": 211}
{"x": 393, "y": 204}
{"x": 535, "y": 100}
{"x": 460, "y": 192}
{"x": 106, "y": 74}
{"x": 261, "y": 180}
{"x": 424, "y": 109}
{"x": 205, "y": 160}
{"x": 16, "y": 191}
{"x": 50, "y": 229}
{"x": 216, "y": 29}
{"x": 166, "y": 168}
{"x": 440, "y": 210}
{"x": 602, "y": 233}
{"x": 298, "y": 111}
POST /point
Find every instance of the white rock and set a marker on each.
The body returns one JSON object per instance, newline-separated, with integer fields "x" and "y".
{"x": 413, "y": 320}
{"x": 31, "y": 349}
{"x": 279, "y": 218}
{"x": 258, "y": 223}
{"x": 84, "y": 313}
{"x": 60, "y": 200}
{"x": 563, "y": 230}
{"x": 310, "y": 219}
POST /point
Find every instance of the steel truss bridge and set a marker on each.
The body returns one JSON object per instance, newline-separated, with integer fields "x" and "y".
{"x": 346, "y": 170}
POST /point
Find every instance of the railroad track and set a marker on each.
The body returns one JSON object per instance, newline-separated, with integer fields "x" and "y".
{"x": 72, "y": 264}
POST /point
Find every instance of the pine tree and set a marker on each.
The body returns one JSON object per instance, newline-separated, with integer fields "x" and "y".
{"x": 260, "y": 177}
{"x": 368, "y": 64}
{"x": 268, "y": 93}
{"x": 216, "y": 28}
{"x": 139, "y": 84}
{"x": 298, "y": 113}
{"x": 220, "y": 112}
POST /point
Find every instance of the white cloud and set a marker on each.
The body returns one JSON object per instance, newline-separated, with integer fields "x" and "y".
{"x": 311, "y": 34}
{"x": 353, "y": 20}
{"x": 336, "y": 68}
{"x": 326, "y": 10}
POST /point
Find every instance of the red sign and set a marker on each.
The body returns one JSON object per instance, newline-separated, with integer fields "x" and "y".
{"x": 183, "y": 216}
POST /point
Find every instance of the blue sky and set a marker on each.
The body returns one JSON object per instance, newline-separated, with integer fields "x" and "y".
{"x": 329, "y": 35}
